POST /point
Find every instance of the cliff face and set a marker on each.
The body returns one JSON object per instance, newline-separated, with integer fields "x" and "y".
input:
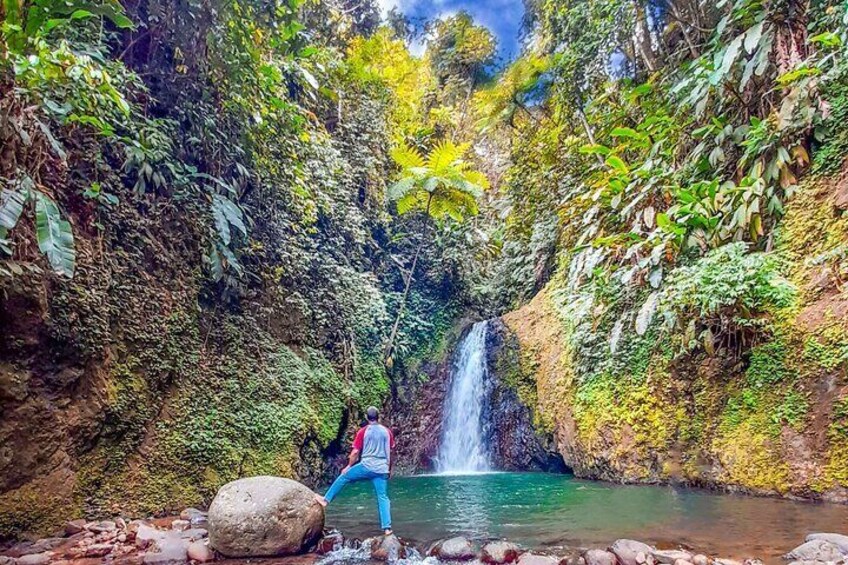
{"x": 766, "y": 415}
{"x": 514, "y": 443}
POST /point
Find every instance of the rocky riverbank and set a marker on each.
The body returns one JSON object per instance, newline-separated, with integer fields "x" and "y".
{"x": 184, "y": 539}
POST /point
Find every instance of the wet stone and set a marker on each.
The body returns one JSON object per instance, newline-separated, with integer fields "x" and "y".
{"x": 499, "y": 553}
{"x": 599, "y": 557}
{"x": 454, "y": 549}
{"x": 34, "y": 559}
{"x": 199, "y": 551}
{"x": 387, "y": 548}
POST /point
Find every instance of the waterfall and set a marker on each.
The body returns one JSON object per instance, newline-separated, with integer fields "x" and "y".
{"x": 463, "y": 448}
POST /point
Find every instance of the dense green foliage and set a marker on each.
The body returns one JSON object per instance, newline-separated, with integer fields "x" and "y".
{"x": 240, "y": 222}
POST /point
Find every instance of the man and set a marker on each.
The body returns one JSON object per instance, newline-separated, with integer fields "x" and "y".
{"x": 372, "y": 449}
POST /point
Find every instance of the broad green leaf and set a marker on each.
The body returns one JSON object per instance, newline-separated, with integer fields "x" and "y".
{"x": 752, "y": 37}
{"x": 595, "y": 149}
{"x": 11, "y": 207}
{"x": 617, "y": 163}
{"x": 54, "y": 234}
{"x": 626, "y": 132}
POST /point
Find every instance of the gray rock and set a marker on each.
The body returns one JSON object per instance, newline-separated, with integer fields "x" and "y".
{"x": 74, "y": 527}
{"x": 197, "y": 518}
{"x": 727, "y": 562}
{"x": 263, "y": 516}
{"x": 332, "y": 541}
{"x": 573, "y": 560}
{"x": 34, "y": 559}
{"x": 599, "y": 557}
{"x": 700, "y": 559}
{"x": 632, "y": 552}
{"x": 682, "y": 562}
{"x": 146, "y": 535}
{"x": 98, "y": 549}
{"x": 454, "y": 549}
{"x": 534, "y": 559}
{"x": 387, "y": 548}
{"x": 500, "y": 553}
{"x": 180, "y": 525}
{"x": 815, "y": 550}
{"x": 194, "y": 534}
{"x": 171, "y": 550}
{"x": 839, "y": 540}
{"x": 103, "y": 526}
{"x": 6, "y": 560}
{"x": 199, "y": 551}
{"x": 46, "y": 544}
{"x": 669, "y": 556}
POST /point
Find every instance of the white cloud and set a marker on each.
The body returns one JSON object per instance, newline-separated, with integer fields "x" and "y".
{"x": 387, "y": 5}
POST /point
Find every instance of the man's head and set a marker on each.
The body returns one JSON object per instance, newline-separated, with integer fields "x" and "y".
{"x": 372, "y": 414}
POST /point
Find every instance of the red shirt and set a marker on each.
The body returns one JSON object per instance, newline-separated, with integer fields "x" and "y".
{"x": 360, "y": 438}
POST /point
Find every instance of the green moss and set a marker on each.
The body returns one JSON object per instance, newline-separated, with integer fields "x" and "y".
{"x": 767, "y": 365}
{"x": 836, "y": 470}
{"x": 827, "y": 349}
{"x": 32, "y": 508}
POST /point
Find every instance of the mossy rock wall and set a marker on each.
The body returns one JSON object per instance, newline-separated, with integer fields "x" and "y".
{"x": 122, "y": 391}
{"x": 769, "y": 418}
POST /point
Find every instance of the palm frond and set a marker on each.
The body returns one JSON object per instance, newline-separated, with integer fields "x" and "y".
{"x": 408, "y": 157}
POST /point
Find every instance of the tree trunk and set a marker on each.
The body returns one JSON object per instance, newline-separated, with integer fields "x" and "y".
{"x": 390, "y": 346}
{"x": 643, "y": 37}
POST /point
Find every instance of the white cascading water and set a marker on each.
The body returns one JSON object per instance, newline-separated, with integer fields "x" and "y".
{"x": 463, "y": 448}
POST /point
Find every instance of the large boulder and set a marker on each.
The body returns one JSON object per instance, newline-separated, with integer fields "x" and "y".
{"x": 815, "y": 550}
{"x": 839, "y": 540}
{"x": 632, "y": 552}
{"x": 264, "y": 516}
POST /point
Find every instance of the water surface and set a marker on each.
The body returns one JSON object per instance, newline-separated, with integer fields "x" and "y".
{"x": 555, "y": 512}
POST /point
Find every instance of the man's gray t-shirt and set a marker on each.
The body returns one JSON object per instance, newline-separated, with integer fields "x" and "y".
{"x": 375, "y": 448}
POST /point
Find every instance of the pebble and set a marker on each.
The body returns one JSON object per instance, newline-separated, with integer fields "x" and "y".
{"x": 700, "y": 559}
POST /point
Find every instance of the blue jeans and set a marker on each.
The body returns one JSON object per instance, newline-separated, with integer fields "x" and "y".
{"x": 359, "y": 473}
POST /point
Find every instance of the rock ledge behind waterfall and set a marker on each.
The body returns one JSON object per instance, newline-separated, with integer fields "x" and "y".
{"x": 263, "y": 516}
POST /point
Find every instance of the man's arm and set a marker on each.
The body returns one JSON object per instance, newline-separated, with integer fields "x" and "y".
{"x": 352, "y": 460}
{"x": 391, "y": 453}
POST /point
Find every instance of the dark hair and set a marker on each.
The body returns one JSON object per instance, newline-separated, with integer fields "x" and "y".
{"x": 372, "y": 414}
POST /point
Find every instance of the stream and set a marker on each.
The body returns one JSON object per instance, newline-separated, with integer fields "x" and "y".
{"x": 552, "y": 512}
